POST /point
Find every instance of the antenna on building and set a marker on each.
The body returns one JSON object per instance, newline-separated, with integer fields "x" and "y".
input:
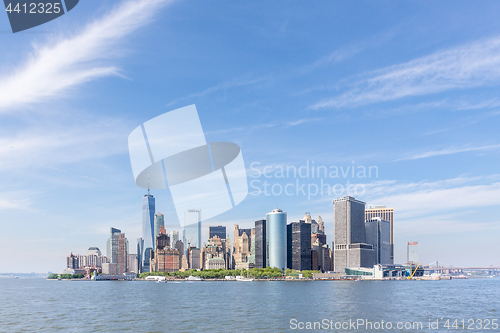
{"x": 148, "y": 184}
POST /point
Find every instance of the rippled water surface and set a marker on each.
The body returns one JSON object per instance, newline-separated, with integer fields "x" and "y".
{"x": 37, "y": 305}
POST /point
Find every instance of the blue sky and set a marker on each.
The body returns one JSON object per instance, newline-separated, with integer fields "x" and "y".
{"x": 410, "y": 88}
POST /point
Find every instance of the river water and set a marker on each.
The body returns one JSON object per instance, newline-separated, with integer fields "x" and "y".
{"x": 37, "y": 305}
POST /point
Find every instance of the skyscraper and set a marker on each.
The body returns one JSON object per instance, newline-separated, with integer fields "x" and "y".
{"x": 378, "y": 234}
{"x": 174, "y": 237}
{"x": 164, "y": 258}
{"x": 321, "y": 225}
{"x": 219, "y": 231}
{"x": 260, "y": 244}
{"x": 242, "y": 241}
{"x": 299, "y": 245}
{"x": 148, "y": 212}
{"x": 118, "y": 250}
{"x": 313, "y": 223}
{"x": 276, "y": 238}
{"x": 192, "y": 229}
{"x": 159, "y": 221}
{"x": 350, "y": 248}
{"x": 386, "y": 214}
{"x": 140, "y": 254}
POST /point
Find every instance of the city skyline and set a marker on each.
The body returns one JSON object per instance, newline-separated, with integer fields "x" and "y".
{"x": 400, "y": 101}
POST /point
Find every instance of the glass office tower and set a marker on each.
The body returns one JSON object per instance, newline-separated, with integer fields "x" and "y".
{"x": 192, "y": 229}
{"x": 276, "y": 238}
{"x": 219, "y": 231}
{"x": 260, "y": 244}
{"x": 148, "y": 213}
{"x": 158, "y": 223}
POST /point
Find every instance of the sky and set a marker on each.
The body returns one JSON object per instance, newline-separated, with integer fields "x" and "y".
{"x": 407, "y": 90}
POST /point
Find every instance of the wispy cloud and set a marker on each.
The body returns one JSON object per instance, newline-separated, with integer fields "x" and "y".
{"x": 222, "y": 86}
{"x": 336, "y": 56}
{"x": 423, "y": 198}
{"x": 446, "y": 224}
{"x": 68, "y": 61}
{"x": 303, "y": 121}
{"x": 61, "y": 144}
{"x": 252, "y": 128}
{"x": 14, "y": 204}
{"x": 471, "y": 65}
{"x": 447, "y": 151}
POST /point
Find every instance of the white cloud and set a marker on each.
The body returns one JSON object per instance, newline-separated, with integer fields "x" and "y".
{"x": 442, "y": 225}
{"x": 222, "y": 86}
{"x": 471, "y": 65}
{"x": 303, "y": 121}
{"x": 62, "y": 144}
{"x": 14, "y": 204}
{"x": 447, "y": 151}
{"x": 68, "y": 61}
{"x": 429, "y": 198}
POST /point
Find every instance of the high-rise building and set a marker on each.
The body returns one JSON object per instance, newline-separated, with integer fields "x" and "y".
{"x": 276, "y": 239}
{"x": 174, "y": 237}
{"x": 321, "y": 225}
{"x": 260, "y": 244}
{"x": 159, "y": 221}
{"x": 386, "y": 214}
{"x": 242, "y": 242}
{"x": 140, "y": 254}
{"x": 216, "y": 254}
{"x": 313, "y": 223}
{"x": 351, "y": 249}
{"x": 317, "y": 242}
{"x": 195, "y": 258}
{"x": 219, "y": 231}
{"x": 251, "y": 257}
{"x": 179, "y": 245}
{"x": 378, "y": 234}
{"x": 299, "y": 245}
{"x": 117, "y": 247}
{"x": 148, "y": 212}
{"x": 132, "y": 263}
{"x": 192, "y": 229}
{"x": 93, "y": 251}
{"x": 71, "y": 261}
{"x": 164, "y": 258}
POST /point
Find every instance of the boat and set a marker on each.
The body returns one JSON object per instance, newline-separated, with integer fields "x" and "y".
{"x": 244, "y": 279}
{"x": 161, "y": 281}
{"x": 194, "y": 278}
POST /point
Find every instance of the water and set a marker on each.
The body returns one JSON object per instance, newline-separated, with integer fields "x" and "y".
{"x": 29, "y": 305}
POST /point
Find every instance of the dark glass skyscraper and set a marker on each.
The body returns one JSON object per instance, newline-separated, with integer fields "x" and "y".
{"x": 299, "y": 246}
{"x": 219, "y": 231}
{"x": 148, "y": 214}
{"x": 260, "y": 244}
